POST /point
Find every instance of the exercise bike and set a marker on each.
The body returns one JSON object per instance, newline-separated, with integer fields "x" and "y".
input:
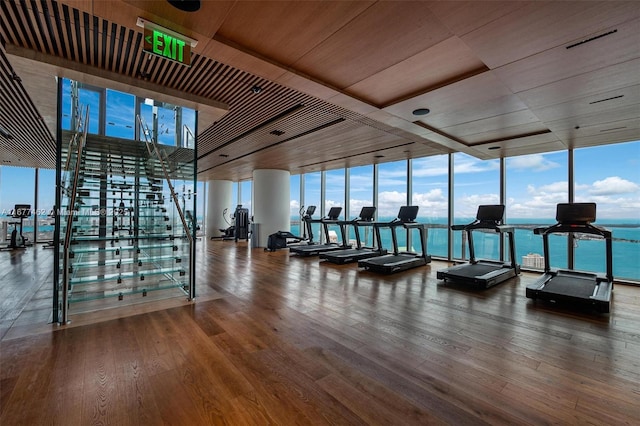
{"x": 17, "y": 240}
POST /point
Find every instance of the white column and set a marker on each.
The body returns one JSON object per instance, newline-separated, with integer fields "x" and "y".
{"x": 218, "y": 199}
{"x": 271, "y": 203}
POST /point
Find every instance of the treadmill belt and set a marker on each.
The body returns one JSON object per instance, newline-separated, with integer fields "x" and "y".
{"x": 571, "y": 286}
{"x": 472, "y": 271}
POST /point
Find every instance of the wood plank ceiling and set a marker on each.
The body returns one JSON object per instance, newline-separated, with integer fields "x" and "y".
{"x": 339, "y": 79}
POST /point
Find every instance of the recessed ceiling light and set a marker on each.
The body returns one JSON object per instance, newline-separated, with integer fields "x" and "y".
{"x": 256, "y": 89}
{"x": 277, "y": 132}
{"x": 378, "y": 156}
{"x": 223, "y": 155}
{"x": 493, "y": 147}
{"x": 421, "y": 111}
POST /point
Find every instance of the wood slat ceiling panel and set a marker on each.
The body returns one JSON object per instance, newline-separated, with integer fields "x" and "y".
{"x": 31, "y": 144}
{"x": 383, "y": 35}
{"x": 594, "y": 83}
{"x": 593, "y": 105}
{"x": 462, "y": 17}
{"x": 532, "y": 29}
{"x": 599, "y": 118}
{"x": 286, "y": 30}
{"x": 624, "y": 130}
{"x": 497, "y": 127}
{"x": 615, "y": 45}
{"x": 434, "y": 67}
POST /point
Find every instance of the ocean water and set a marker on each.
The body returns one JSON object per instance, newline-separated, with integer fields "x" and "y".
{"x": 589, "y": 253}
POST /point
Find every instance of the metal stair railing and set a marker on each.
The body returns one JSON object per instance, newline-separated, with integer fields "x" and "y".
{"x": 70, "y": 212}
{"x": 152, "y": 148}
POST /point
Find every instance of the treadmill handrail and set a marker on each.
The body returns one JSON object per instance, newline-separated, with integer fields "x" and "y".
{"x": 581, "y": 228}
{"x": 326, "y": 221}
{"x": 494, "y": 225}
{"x": 484, "y": 224}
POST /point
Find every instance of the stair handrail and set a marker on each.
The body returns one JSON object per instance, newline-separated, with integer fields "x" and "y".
{"x": 71, "y": 209}
{"x": 174, "y": 196}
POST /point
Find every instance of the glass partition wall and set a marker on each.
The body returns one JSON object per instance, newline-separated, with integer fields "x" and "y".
{"x": 127, "y": 223}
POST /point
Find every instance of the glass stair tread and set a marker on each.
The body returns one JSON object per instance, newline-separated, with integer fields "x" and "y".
{"x": 123, "y": 276}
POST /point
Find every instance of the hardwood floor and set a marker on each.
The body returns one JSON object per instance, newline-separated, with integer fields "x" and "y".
{"x": 275, "y": 339}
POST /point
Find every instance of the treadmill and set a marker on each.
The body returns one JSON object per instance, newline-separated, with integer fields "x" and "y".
{"x": 570, "y": 286}
{"x": 316, "y": 249}
{"x": 341, "y": 257}
{"x": 483, "y": 273}
{"x": 399, "y": 261}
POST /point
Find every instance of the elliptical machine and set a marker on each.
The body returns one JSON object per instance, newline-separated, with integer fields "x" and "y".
{"x": 18, "y": 241}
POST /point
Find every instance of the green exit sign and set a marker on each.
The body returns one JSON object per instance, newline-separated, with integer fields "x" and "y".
{"x": 166, "y": 43}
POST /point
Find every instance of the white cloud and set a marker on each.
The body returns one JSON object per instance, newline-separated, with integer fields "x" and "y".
{"x": 432, "y": 203}
{"x": 613, "y": 185}
{"x": 467, "y": 206}
{"x": 294, "y": 207}
{"x": 555, "y": 187}
{"x": 535, "y": 162}
{"x": 430, "y": 166}
{"x": 468, "y": 164}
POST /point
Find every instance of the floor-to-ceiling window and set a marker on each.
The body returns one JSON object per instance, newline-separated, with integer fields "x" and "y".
{"x": 46, "y": 201}
{"x": 246, "y": 195}
{"x": 334, "y": 193}
{"x": 392, "y": 194}
{"x": 334, "y": 197}
{"x": 295, "y": 205}
{"x": 609, "y": 176}
{"x": 476, "y": 182}
{"x": 430, "y": 192}
{"x": 361, "y": 195}
{"x": 312, "y": 197}
{"x": 535, "y": 185}
{"x": 120, "y": 117}
{"x": 16, "y": 187}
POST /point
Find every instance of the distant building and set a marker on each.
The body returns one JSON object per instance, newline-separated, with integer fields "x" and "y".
{"x": 533, "y": 260}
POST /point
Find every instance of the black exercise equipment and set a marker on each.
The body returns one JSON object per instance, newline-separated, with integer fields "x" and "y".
{"x": 18, "y": 241}
{"x": 316, "y": 249}
{"x": 283, "y": 239}
{"x": 242, "y": 224}
{"x": 360, "y": 252}
{"x": 484, "y": 273}
{"x": 239, "y": 229}
{"x": 399, "y": 261}
{"x": 571, "y": 286}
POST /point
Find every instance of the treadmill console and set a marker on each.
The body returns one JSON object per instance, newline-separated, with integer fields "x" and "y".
{"x": 334, "y": 213}
{"x": 366, "y": 214}
{"x": 576, "y": 213}
{"x": 490, "y": 213}
{"x": 408, "y": 213}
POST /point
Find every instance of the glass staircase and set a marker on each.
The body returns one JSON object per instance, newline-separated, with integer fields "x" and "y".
{"x": 126, "y": 223}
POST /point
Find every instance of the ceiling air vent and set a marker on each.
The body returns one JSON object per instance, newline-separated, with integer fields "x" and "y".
{"x": 591, "y": 39}
{"x": 607, "y": 99}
